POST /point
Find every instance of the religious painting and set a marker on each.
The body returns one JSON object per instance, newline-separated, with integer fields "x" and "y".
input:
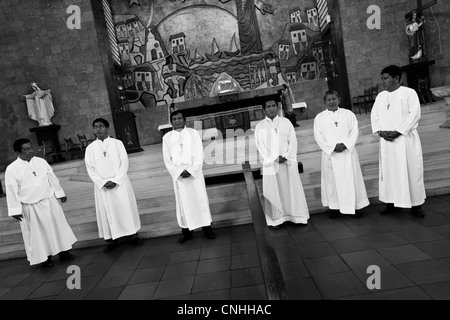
{"x": 176, "y": 51}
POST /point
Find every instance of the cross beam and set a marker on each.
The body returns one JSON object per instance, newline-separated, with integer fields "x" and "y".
{"x": 421, "y": 7}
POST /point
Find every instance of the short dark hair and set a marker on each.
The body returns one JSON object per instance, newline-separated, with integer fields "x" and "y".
{"x": 174, "y": 113}
{"x": 329, "y": 93}
{"x": 393, "y": 71}
{"x": 104, "y": 121}
{"x": 265, "y": 102}
{"x": 17, "y": 146}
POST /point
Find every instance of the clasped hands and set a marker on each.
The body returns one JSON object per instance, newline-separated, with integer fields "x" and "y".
{"x": 110, "y": 185}
{"x": 389, "y": 135}
{"x": 340, "y": 147}
{"x": 185, "y": 174}
{"x": 281, "y": 159}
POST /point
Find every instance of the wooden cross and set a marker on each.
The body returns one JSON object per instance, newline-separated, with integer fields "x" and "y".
{"x": 336, "y": 123}
{"x": 104, "y": 153}
{"x": 34, "y": 172}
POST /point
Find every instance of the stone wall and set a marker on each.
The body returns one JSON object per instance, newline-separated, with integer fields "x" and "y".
{"x": 368, "y": 51}
{"x": 38, "y": 47}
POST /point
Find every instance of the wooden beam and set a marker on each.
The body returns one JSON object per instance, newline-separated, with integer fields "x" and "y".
{"x": 273, "y": 279}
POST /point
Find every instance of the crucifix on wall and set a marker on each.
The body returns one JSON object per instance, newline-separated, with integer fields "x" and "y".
{"x": 415, "y": 30}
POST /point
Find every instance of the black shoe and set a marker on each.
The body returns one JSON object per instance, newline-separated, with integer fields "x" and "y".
{"x": 209, "y": 233}
{"x": 48, "y": 263}
{"x": 418, "y": 212}
{"x": 113, "y": 245}
{"x": 389, "y": 209}
{"x": 66, "y": 256}
{"x": 185, "y": 237}
{"x": 333, "y": 214}
{"x": 357, "y": 215}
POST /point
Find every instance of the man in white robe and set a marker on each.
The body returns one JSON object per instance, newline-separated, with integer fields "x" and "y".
{"x": 32, "y": 194}
{"x": 183, "y": 157}
{"x": 395, "y": 118}
{"x": 115, "y": 203}
{"x": 342, "y": 185}
{"x": 284, "y": 198}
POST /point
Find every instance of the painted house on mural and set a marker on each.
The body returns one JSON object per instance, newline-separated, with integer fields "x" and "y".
{"x": 178, "y": 42}
{"x": 298, "y": 37}
{"x": 291, "y": 75}
{"x": 283, "y": 49}
{"x": 154, "y": 46}
{"x": 312, "y": 14}
{"x": 309, "y": 67}
{"x": 295, "y": 15}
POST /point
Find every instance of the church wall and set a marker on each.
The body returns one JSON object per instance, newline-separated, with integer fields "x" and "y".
{"x": 369, "y": 51}
{"x": 37, "y": 46}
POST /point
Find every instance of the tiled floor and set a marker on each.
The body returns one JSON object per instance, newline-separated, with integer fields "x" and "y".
{"x": 327, "y": 259}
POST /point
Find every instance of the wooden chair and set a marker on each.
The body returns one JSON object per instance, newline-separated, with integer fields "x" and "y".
{"x": 424, "y": 92}
{"x": 368, "y": 99}
{"x": 358, "y": 102}
{"x": 49, "y": 150}
{"x": 84, "y": 142}
{"x": 69, "y": 147}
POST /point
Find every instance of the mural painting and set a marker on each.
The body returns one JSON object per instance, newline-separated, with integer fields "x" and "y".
{"x": 176, "y": 51}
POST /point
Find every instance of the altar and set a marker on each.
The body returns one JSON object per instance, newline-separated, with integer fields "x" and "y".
{"x": 223, "y": 112}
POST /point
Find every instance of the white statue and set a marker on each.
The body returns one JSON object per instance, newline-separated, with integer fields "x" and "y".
{"x": 40, "y": 106}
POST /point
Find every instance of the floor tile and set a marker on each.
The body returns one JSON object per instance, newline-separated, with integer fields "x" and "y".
{"x": 302, "y": 289}
{"x": 443, "y": 230}
{"x": 52, "y": 288}
{"x": 146, "y": 275}
{"x": 339, "y": 285}
{"x": 385, "y": 240}
{"x": 425, "y": 272}
{"x": 436, "y": 249}
{"x": 294, "y": 269}
{"x": 156, "y": 260}
{"x": 249, "y": 293}
{"x": 104, "y": 294}
{"x": 245, "y": 261}
{"x": 180, "y": 270}
{"x": 246, "y": 277}
{"x": 315, "y": 250}
{"x": 403, "y": 254}
{"x": 214, "y": 265}
{"x": 420, "y": 235}
{"x": 308, "y": 238}
{"x": 111, "y": 280}
{"x": 185, "y": 256}
{"x": 438, "y": 291}
{"x": 369, "y": 229}
{"x": 350, "y": 245}
{"x": 212, "y": 282}
{"x": 325, "y": 265}
{"x": 364, "y": 259}
{"x": 243, "y": 247}
{"x": 414, "y": 293}
{"x": 287, "y": 254}
{"x": 143, "y": 291}
{"x": 215, "y": 252}
{"x": 212, "y": 295}
{"x": 174, "y": 287}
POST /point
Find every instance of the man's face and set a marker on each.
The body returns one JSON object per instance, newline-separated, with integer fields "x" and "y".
{"x": 271, "y": 109}
{"x": 100, "y": 130}
{"x": 332, "y": 102}
{"x": 27, "y": 152}
{"x": 389, "y": 83}
{"x": 178, "y": 122}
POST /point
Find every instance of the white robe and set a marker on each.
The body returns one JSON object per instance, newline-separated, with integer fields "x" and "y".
{"x": 401, "y": 162}
{"x": 284, "y": 198}
{"x": 184, "y": 151}
{"x": 44, "y": 227}
{"x": 116, "y": 209}
{"x": 342, "y": 182}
